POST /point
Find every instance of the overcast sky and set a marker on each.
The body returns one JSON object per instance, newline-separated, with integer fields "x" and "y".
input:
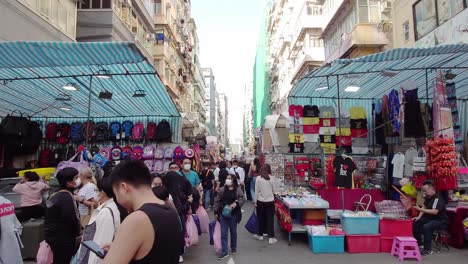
{"x": 228, "y": 33}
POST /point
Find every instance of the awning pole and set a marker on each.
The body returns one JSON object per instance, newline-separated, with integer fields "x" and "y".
{"x": 89, "y": 106}
{"x": 339, "y": 107}
{"x": 427, "y": 89}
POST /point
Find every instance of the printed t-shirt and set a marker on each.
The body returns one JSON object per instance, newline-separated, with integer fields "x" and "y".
{"x": 311, "y": 138}
{"x": 358, "y": 123}
{"x": 311, "y": 111}
{"x": 296, "y": 129}
{"x": 398, "y": 162}
{"x": 328, "y": 148}
{"x": 327, "y": 131}
{"x": 328, "y": 138}
{"x": 296, "y": 138}
{"x": 357, "y": 112}
{"x": 359, "y": 133}
{"x": 344, "y": 169}
{"x": 345, "y": 122}
{"x": 343, "y": 132}
{"x": 296, "y": 147}
{"x": 344, "y": 141}
{"x": 327, "y": 122}
{"x": 311, "y": 120}
{"x": 410, "y": 154}
{"x": 327, "y": 112}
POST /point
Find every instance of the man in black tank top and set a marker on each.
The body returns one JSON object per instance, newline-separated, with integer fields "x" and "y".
{"x": 152, "y": 232}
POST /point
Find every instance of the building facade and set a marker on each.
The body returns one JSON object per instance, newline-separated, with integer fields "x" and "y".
{"x": 422, "y": 23}
{"x": 295, "y": 46}
{"x": 223, "y": 129}
{"x": 210, "y": 100}
{"x": 52, "y": 20}
{"x": 248, "y": 131}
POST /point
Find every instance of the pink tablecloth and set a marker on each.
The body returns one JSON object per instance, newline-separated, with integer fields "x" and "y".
{"x": 350, "y": 197}
{"x": 456, "y": 229}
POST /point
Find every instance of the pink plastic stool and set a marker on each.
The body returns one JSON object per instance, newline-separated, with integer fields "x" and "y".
{"x": 406, "y": 248}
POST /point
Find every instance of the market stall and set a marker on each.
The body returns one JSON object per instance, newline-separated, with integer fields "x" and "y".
{"x": 275, "y": 134}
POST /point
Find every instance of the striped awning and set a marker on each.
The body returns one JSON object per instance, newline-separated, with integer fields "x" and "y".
{"x": 378, "y": 74}
{"x": 32, "y": 76}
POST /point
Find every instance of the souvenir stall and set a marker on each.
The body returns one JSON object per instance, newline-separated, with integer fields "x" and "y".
{"x": 380, "y": 125}
{"x": 104, "y": 98}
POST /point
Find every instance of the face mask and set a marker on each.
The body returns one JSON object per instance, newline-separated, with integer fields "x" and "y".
{"x": 78, "y": 182}
{"x": 235, "y": 166}
{"x": 228, "y": 182}
{"x": 186, "y": 167}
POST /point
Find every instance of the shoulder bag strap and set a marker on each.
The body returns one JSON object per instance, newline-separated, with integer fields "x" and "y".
{"x": 113, "y": 220}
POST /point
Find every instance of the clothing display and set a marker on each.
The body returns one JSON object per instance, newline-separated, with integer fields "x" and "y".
{"x": 311, "y": 121}
{"x": 327, "y": 112}
{"x": 358, "y": 123}
{"x": 398, "y": 162}
{"x": 344, "y": 168}
{"x": 311, "y": 138}
{"x": 410, "y": 154}
{"x": 328, "y": 138}
{"x": 452, "y": 101}
{"x": 413, "y": 123}
{"x": 311, "y": 111}
{"x": 327, "y": 122}
{"x": 394, "y": 106}
{"x": 357, "y": 113}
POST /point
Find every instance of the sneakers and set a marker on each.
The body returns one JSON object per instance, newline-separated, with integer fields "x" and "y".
{"x": 223, "y": 256}
{"x": 259, "y": 238}
{"x": 181, "y": 259}
{"x": 272, "y": 241}
{"x": 426, "y": 252}
{"x": 265, "y": 235}
{"x": 233, "y": 251}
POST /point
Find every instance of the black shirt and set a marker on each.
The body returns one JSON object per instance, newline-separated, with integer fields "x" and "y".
{"x": 311, "y": 111}
{"x": 436, "y": 202}
{"x": 207, "y": 177}
{"x": 359, "y": 123}
{"x": 344, "y": 168}
{"x": 168, "y": 240}
{"x": 223, "y": 173}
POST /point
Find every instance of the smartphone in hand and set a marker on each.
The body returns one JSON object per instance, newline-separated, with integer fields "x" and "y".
{"x": 95, "y": 248}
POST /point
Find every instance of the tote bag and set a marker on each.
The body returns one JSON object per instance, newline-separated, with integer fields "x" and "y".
{"x": 217, "y": 237}
{"x": 44, "y": 254}
{"x": 252, "y": 224}
{"x": 191, "y": 237}
{"x": 204, "y": 219}
{"x": 78, "y": 165}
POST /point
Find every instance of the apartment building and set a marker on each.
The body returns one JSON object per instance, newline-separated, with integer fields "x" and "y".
{"x": 210, "y": 100}
{"x": 295, "y": 46}
{"x": 117, "y": 20}
{"x": 248, "y": 133}
{"x": 355, "y": 28}
{"x": 223, "y": 114}
{"x": 423, "y": 23}
{"x": 47, "y": 20}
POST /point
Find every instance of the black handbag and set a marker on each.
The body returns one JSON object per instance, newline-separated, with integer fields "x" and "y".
{"x": 14, "y": 126}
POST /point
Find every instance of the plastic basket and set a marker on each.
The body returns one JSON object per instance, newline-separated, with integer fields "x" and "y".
{"x": 47, "y": 172}
{"x": 363, "y": 243}
{"x": 396, "y": 227}
{"x": 326, "y": 244}
{"x": 368, "y": 225}
{"x": 386, "y": 244}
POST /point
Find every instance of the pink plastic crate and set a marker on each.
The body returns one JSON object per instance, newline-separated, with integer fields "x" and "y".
{"x": 363, "y": 243}
{"x": 386, "y": 244}
{"x": 396, "y": 227}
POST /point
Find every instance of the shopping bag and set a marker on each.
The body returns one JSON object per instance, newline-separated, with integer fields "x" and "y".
{"x": 252, "y": 224}
{"x": 217, "y": 237}
{"x": 78, "y": 165}
{"x": 44, "y": 254}
{"x": 197, "y": 223}
{"x": 212, "y": 228}
{"x": 191, "y": 237}
{"x": 204, "y": 219}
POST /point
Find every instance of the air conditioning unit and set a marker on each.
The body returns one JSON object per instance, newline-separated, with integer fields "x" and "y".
{"x": 386, "y": 6}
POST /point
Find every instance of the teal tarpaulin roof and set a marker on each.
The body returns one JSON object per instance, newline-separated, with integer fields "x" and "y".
{"x": 375, "y": 74}
{"x": 32, "y": 76}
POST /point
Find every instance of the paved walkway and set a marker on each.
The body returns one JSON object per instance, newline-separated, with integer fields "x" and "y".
{"x": 251, "y": 251}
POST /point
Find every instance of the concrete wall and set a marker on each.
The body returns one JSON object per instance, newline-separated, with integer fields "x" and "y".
{"x": 28, "y": 26}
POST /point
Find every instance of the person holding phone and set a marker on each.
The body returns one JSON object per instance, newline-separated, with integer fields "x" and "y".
{"x": 151, "y": 233}
{"x": 103, "y": 224}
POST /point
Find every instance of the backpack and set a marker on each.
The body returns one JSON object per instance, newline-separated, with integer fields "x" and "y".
{"x": 63, "y": 133}
{"x": 126, "y": 152}
{"x": 158, "y": 166}
{"x": 149, "y": 164}
{"x": 126, "y": 130}
{"x": 45, "y": 158}
{"x": 148, "y": 152}
{"x": 116, "y": 153}
{"x": 159, "y": 153}
{"x": 94, "y": 150}
{"x": 70, "y": 152}
{"x": 138, "y": 132}
{"x": 77, "y": 131}
{"x": 137, "y": 152}
{"x": 151, "y": 131}
{"x": 200, "y": 139}
{"x": 30, "y": 143}
{"x": 105, "y": 152}
{"x": 114, "y": 130}
{"x": 60, "y": 154}
{"x": 101, "y": 132}
{"x": 178, "y": 153}
{"x": 168, "y": 152}
{"x": 51, "y": 131}
{"x": 88, "y": 128}
{"x": 163, "y": 131}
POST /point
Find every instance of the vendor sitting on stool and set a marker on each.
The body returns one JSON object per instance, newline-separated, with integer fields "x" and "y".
{"x": 432, "y": 217}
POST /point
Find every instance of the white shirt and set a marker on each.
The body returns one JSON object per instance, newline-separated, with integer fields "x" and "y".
{"x": 105, "y": 228}
{"x": 216, "y": 173}
{"x": 265, "y": 190}
{"x": 398, "y": 165}
{"x": 410, "y": 154}
{"x": 239, "y": 171}
{"x": 87, "y": 192}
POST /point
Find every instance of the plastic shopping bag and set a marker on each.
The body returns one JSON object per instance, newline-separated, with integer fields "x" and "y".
{"x": 212, "y": 228}
{"x": 204, "y": 219}
{"x": 197, "y": 223}
{"x": 44, "y": 254}
{"x": 252, "y": 224}
{"x": 217, "y": 237}
{"x": 191, "y": 237}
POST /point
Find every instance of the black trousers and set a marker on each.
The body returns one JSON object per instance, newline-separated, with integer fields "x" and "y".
{"x": 266, "y": 218}
{"x": 425, "y": 226}
{"x": 28, "y": 212}
{"x": 63, "y": 250}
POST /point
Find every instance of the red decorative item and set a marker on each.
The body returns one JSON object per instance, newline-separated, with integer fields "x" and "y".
{"x": 442, "y": 163}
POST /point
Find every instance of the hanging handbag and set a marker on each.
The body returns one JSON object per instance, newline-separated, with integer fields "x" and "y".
{"x": 78, "y": 165}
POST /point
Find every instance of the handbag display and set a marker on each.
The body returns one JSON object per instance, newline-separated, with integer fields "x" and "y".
{"x": 79, "y": 165}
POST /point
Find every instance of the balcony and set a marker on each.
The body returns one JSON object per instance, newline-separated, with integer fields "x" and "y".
{"x": 309, "y": 16}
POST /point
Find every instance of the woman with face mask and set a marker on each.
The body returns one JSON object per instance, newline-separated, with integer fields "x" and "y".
{"x": 62, "y": 224}
{"x": 228, "y": 205}
{"x": 103, "y": 224}
{"x": 86, "y": 195}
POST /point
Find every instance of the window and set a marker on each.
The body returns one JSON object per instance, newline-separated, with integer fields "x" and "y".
{"x": 406, "y": 30}
{"x": 309, "y": 10}
{"x": 44, "y": 7}
{"x": 85, "y": 4}
{"x": 315, "y": 42}
{"x": 106, "y": 4}
{"x": 447, "y": 9}
{"x": 96, "y": 4}
{"x": 425, "y": 18}
{"x": 368, "y": 11}
{"x": 158, "y": 7}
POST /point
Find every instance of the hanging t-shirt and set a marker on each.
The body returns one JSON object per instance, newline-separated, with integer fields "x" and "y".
{"x": 394, "y": 104}
{"x": 327, "y": 122}
{"x": 296, "y": 147}
{"x": 410, "y": 154}
{"x": 327, "y": 131}
{"x": 311, "y": 120}
{"x": 328, "y": 138}
{"x": 359, "y": 133}
{"x": 344, "y": 141}
{"x": 345, "y": 122}
{"x": 358, "y": 123}
{"x": 398, "y": 162}
{"x": 343, "y": 132}
{"x": 327, "y": 112}
{"x": 296, "y": 129}
{"x": 311, "y": 138}
{"x": 311, "y": 111}
{"x": 357, "y": 112}
{"x": 311, "y": 129}
{"x": 344, "y": 169}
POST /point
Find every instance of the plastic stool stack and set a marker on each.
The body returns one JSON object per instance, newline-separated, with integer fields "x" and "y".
{"x": 406, "y": 248}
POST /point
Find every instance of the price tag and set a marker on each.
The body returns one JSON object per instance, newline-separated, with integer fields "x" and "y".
{"x": 117, "y": 136}
{"x": 123, "y": 134}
